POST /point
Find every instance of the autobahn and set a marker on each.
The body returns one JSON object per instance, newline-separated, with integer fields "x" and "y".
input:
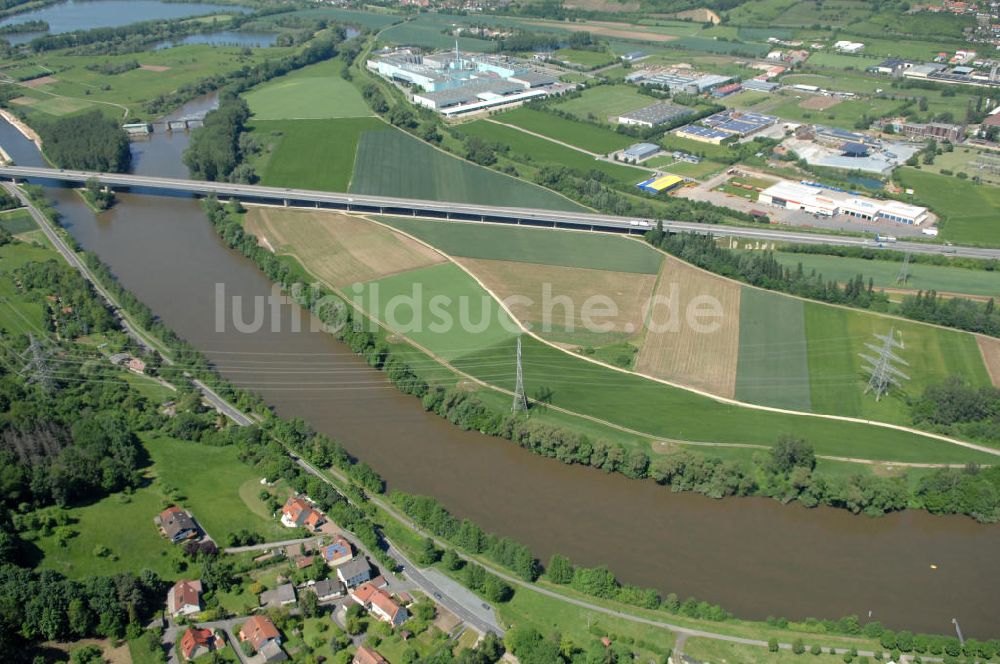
{"x": 467, "y": 212}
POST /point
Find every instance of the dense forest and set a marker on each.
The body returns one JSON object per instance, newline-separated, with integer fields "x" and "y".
{"x": 88, "y": 142}
{"x": 214, "y": 151}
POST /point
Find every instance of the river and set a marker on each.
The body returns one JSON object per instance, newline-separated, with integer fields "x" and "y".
{"x": 753, "y": 556}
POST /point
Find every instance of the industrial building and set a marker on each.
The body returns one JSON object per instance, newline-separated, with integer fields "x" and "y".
{"x": 640, "y": 151}
{"x": 728, "y": 124}
{"x": 760, "y": 86}
{"x": 453, "y": 83}
{"x": 829, "y": 202}
{"x": 677, "y": 79}
{"x": 653, "y": 115}
{"x": 660, "y": 184}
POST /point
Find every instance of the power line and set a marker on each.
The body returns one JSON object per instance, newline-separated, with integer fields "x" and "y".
{"x": 37, "y": 367}
{"x": 882, "y": 373}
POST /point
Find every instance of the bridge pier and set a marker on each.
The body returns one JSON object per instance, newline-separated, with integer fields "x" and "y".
{"x": 285, "y": 201}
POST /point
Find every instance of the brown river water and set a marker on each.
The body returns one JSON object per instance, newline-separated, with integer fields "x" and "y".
{"x": 753, "y": 556}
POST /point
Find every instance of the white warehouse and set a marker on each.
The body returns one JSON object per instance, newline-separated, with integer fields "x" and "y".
{"x": 815, "y": 199}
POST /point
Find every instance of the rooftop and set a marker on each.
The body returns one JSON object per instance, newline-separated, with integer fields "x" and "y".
{"x": 657, "y": 113}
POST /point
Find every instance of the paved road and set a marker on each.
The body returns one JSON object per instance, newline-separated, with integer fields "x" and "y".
{"x": 469, "y": 611}
{"x": 468, "y": 212}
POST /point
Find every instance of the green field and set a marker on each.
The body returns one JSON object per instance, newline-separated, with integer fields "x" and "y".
{"x": 941, "y": 278}
{"x": 391, "y": 162}
{"x": 478, "y": 320}
{"x": 621, "y": 398}
{"x": 586, "y": 59}
{"x": 702, "y": 169}
{"x": 843, "y": 115}
{"x": 968, "y": 210}
{"x": 431, "y": 31}
{"x": 17, "y": 314}
{"x": 533, "y": 245}
{"x": 371, "y": 20}
{"x": 184, "y": 65}
{"x": 310, "y": 154}
{"x": 539, "y": 150}
{"x": 102, "y": 524}
{"x": 580, "y": 134}
{"x": 837, "y": 380}
{"x": 17, "y": 221}
{"x": 603, "y": 101}
{"x": 773, "y": 369}
{"x": 219, "y": 489}
{"x": 312, "y": 93}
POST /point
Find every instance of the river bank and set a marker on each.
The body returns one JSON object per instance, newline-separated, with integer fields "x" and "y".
{"x": 753, "y": 556}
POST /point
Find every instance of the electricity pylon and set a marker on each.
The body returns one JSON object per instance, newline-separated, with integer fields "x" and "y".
{"x": 904, "y": 271}
{"x": 37, "y": 367}
{"x": 882, "y": 373}
{"x": 520, "y": 402}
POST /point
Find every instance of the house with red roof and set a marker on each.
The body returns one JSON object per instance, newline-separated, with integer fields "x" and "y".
{"x": 380, "y": 604}
{"x": 197, "y": 642}
{"x": 298, "y": 513}
{"x": 184, "y": 598}
{"x": 177, "y": 525}
{"x": 259, "y": 631}
{"x": 366, "y": 655}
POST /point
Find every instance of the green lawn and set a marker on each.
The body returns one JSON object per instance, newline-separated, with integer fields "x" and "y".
{"x": 310, "y": 154}
{"x": 17, "y": 314}
{"x": 587, "y": 59}
{"x": 311, "y": 93}
{"x": 941, "y": 278}
{"x": 968, "y": 210}
{"x": 580, "y": 134}
{"x": 701, "y": 170}
{"x": 533, "y": 245}
{"x": 213, "y": 482}
{"x": 17, "y": 221}
{"x": 603, "y": 101}
{"x": 843, "y": 115}
{"x": 450, "y": 314}
{"x": 836, "y": 376}
{"x": 710, "y": 650}
{"x": 773, "y": 369}
{"x": 124, "y": 525}
{"x": 391, "y": 162}
{"x": 538, "y": 150}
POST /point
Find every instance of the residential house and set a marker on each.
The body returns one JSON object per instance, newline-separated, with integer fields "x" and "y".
{"x": 366, "y": 655}
{"x": 327, "y": 589}
{"x": 354, "y": 572}
{"x": 184, "y": 598}
{"x": 272, "y": 652}
{"x": 337, "y": 552}
{"x": 197, "y": 642}
{"x": 119, "y": 358}
{"x": 258, "y": 631}
{"x": 283, "y": 595}
{"x": 297, "y": 513}
{"x": 135, "y": 365}
{"x": 380, "y": 604}
{"x": 177, "y": 525}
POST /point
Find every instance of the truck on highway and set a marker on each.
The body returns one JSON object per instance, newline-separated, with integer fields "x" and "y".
{"x": 884, "y": 238}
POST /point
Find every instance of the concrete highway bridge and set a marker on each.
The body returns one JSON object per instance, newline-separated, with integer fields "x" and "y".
{"x": 464, "y": 211}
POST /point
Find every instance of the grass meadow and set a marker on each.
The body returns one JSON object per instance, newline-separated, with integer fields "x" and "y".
{"x": 587, "y": 59}
{"x": 773, "y": 369}
{"x": 310, "y": 154}
{"x": 942, "y": 278}
{"x": 604, "y": 101}
{"x": 836, "y": 377}
{"x": 18, "y": 315}
{"x": 968, "y": 210}
{"x": 538, "y": 150}
{"x": 532, "y": 245}
{"x": 313, "y": 93}
{"x": 17, "y": 221}
{"x": 580, "y": 134}
{"x": 391, "y": 162}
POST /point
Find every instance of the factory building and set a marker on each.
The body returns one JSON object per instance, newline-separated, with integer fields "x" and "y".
{"x": 829, "y": 202}
{"x": 653, "y": 115}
